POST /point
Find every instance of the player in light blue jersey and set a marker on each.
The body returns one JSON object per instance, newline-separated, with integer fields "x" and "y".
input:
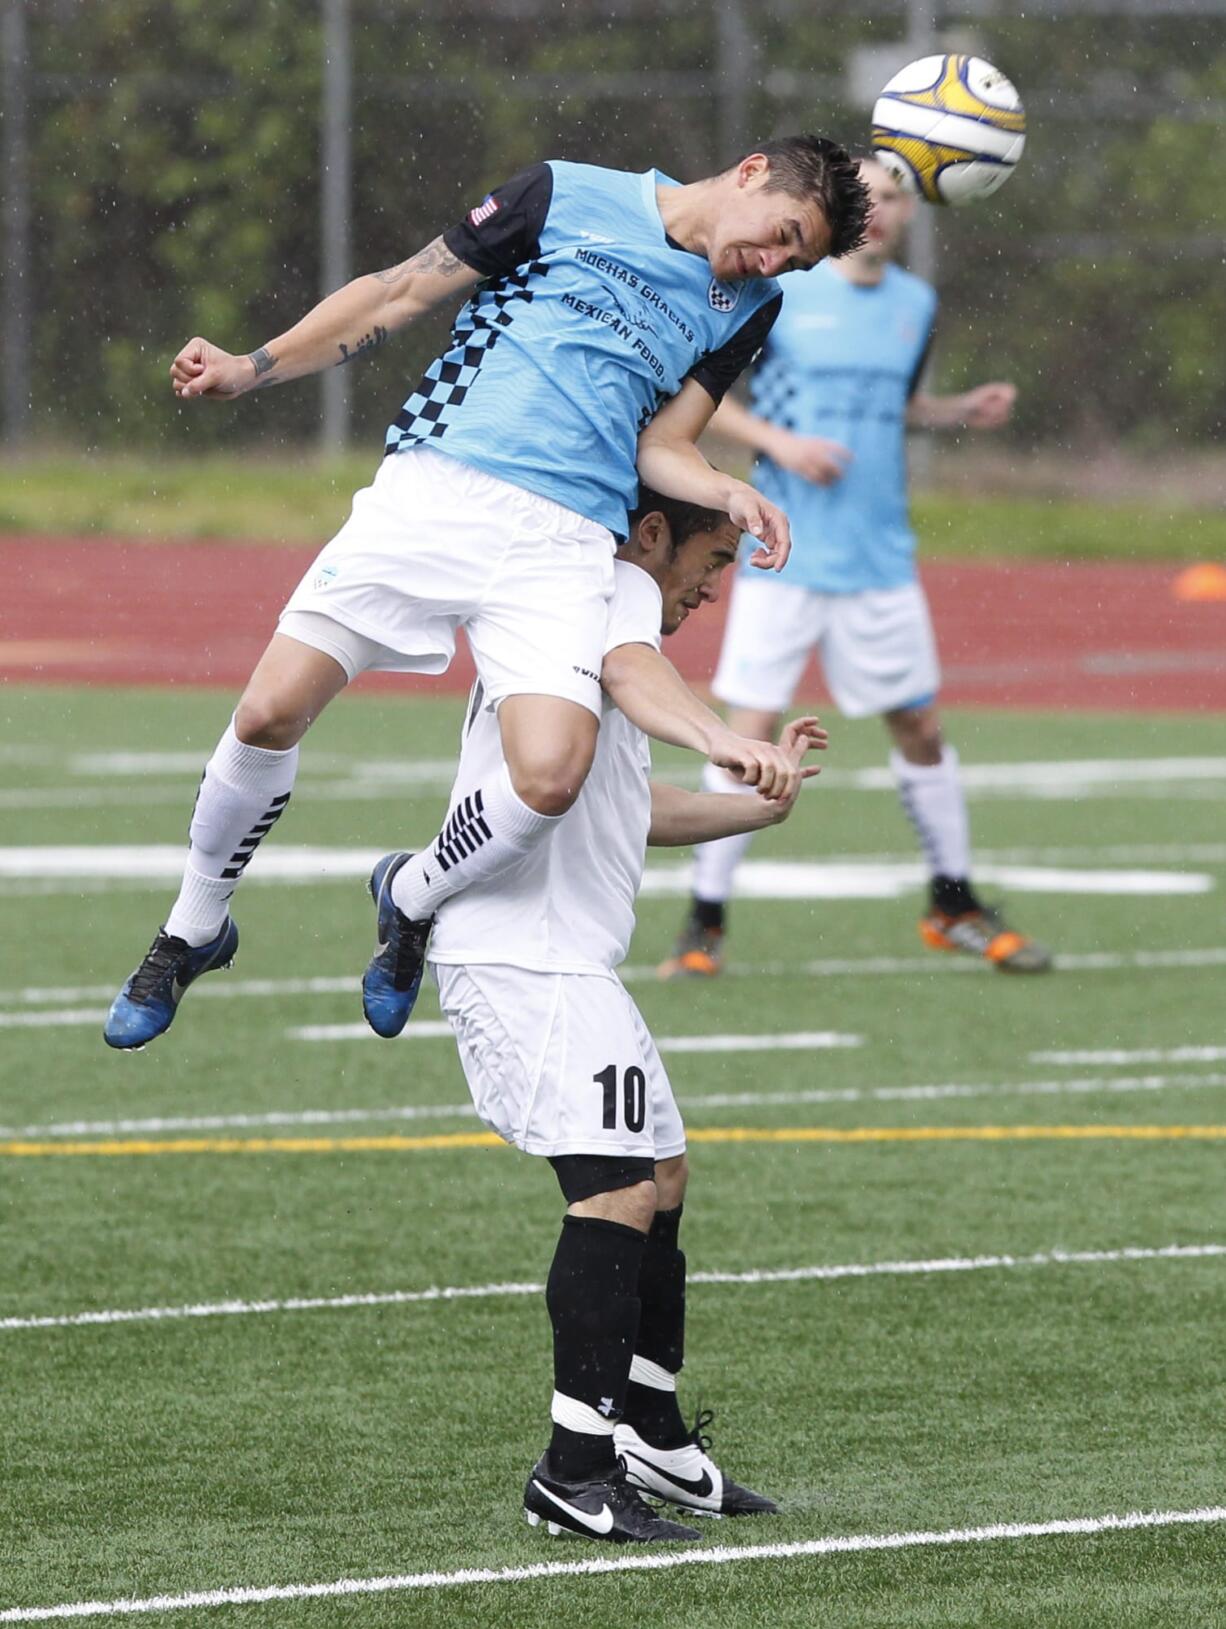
{"x": 831, "y": 398}
{"x": 605, "y": 315}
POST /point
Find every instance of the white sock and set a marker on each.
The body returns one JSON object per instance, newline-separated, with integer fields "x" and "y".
{"x": 200, "y": 910}
{"x": 484, "y": 833}
{"x": 242, "y": 796}
{"x": 715, "y": 863}
{"x": 935, "y": 804}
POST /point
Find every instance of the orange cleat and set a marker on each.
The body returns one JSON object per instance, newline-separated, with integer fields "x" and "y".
{"x": 983, "y": 933}
{"x": 698, "y": 954}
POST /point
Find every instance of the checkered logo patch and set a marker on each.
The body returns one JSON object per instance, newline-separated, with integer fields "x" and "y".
{"x": 483, "y": 211}
{"x": 722, "y": 298}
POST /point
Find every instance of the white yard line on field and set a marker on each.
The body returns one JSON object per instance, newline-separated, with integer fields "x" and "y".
{"x": 223, "y": 1122}
{"x": 430, "y": 1029}
{"x": 818, "y": 879}
{"x": 1008, "y": 777}
{"x": 57, "y": 1018}
{"x": 812, "y": 1040}
{"x": 1147, "y": 1054}
{"x": 819, "y": 1040}
{"x": 1106, "y": 961}
{"x": 50, "y": 995}
{"x": 306, "y": 864}
{"x": 1099, "y": 1084}
{"x": 439, "y": 1029}
{"x": 652, "y": 1561}
{"x": 919, "y": 1094}
{"x": 643, "y": 972}
{"x": 136, "y": 763}
{"x": 480, "y": 1292}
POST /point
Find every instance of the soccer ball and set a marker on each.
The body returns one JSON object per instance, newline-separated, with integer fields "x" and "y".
{"x": 949, "y": 128}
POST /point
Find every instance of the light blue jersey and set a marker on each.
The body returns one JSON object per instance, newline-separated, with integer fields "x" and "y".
{"x": 589, "y": 319}
{"x": 842, "y": 361}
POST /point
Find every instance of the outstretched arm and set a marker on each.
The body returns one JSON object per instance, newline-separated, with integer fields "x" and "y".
{"x": 987, "y": 407}
{"x": 680, "y": 818}
{"x": 814, "y": 458}
{"x": 670, "y": 462}
{"x": 354, "y": 321}
{"x": 648, "y": 689}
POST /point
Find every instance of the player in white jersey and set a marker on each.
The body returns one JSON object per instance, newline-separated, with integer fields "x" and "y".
{"x": 838, "y": 382}
{"x": 606, "y": 315}
{"x": 561, "y": 1065}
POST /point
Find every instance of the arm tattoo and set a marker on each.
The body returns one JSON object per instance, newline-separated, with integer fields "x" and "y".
{"x": 368, "y": 342}
{"x": 436, "y": 259}
{"x": 263, "y": 361}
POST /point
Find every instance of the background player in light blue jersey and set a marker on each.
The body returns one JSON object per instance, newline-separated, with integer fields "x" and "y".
{"x": 606, "y": 315}
{"x": 837, "y": 385}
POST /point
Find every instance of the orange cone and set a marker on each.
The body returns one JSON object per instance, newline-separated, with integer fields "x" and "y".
{"x": 1206, "y": 582}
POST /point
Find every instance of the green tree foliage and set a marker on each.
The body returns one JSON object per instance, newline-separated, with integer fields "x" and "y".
{"x": 176, "y": 150}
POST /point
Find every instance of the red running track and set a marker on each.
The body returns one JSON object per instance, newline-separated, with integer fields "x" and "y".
{"x": 112, "y": 611}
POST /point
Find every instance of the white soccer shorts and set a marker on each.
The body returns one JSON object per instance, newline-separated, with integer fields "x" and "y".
{"x": 877, "y": 648}
{"x": 433, "y": 545}
{"x": 560, "y": 1063}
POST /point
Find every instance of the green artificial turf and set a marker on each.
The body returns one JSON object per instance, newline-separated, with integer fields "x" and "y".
{"x": 298, "y": 1447}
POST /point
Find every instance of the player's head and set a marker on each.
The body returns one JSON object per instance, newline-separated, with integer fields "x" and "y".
{"x": 685, "y": 548}
{"x": 784, "y": 207}
{"x": 891, "y": 208}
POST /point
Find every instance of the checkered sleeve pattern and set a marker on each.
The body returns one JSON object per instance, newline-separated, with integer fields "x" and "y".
{"x": 774, "y": 392}
{"x": 441, "y": 391}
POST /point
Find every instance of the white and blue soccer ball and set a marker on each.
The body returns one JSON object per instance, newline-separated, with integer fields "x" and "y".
{"x": 949, "y": 128}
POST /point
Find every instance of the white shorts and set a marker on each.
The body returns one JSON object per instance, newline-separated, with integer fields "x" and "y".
{"x": 877, "y": 648}
{"x": 560, "y": 1063}
{"x": 433, "y": 545}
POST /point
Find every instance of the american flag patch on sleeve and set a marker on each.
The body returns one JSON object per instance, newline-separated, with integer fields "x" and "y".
{"x": 483, "y": 211}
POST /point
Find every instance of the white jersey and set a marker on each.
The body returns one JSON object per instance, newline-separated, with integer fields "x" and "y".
{"x": 568, "y": 905}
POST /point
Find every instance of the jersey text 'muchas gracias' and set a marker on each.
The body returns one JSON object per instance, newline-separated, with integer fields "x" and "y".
{"x": 589, "y": 318}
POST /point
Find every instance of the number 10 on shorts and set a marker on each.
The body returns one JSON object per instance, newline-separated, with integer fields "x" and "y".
{"x": 633, "y": 1096}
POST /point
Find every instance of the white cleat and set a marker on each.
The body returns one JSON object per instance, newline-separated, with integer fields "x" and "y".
{"x": 687, "y": 1476}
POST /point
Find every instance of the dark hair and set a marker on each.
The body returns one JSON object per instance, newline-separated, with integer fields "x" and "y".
{"x": 684, "y": 519}
{"x": 816, "y": 167}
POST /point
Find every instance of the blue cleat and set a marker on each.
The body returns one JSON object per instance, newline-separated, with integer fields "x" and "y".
{"x": 145, "y": 1008}
{"x": 393, "y": 978}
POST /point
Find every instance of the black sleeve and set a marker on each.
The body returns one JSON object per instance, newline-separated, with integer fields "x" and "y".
{"x": 718, "y": 370}
{"x": 917, "y": 373}
{"x": 504, "y": 230}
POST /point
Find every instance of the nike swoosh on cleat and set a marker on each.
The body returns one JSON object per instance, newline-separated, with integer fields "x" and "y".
{"x": 603, "y": 1523}
{"x": 177, "y": 991}
{"x": 701, "y": 1489}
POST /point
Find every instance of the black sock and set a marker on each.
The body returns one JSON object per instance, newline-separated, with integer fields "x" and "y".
{"x": 653, "y": 1413}
{"x": 954, "y": 896}
{"x": 708, "y": 913}
{"x": 594, "y": 1309}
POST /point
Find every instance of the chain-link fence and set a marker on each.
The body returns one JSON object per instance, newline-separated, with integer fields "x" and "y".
{"x": 173, "y": 167}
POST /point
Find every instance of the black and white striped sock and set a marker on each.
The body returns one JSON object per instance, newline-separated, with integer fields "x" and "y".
{"x": 485, "y": 830}
{"x": 243, "y": 793}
